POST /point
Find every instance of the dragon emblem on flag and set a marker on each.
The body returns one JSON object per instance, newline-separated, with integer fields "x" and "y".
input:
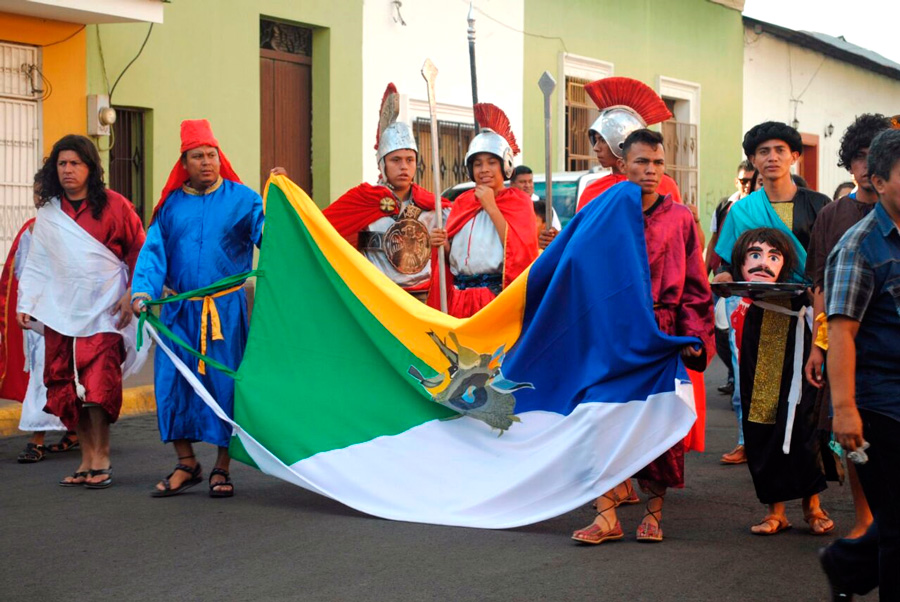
{"x": 476, "y": 386}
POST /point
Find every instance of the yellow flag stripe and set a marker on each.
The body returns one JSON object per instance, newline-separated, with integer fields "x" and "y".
{"x": 406, "y": 318}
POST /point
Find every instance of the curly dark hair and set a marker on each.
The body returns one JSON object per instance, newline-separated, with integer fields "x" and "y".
{"x": 859, "y": 136}
{"x": 884, "y": 152}
{"x": 87, "y": 152}
{"x": 772, "y": 237}
{"x": 771, "y": 130}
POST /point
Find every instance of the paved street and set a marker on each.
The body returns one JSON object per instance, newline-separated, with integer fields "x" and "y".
{"x": 274, "y": 541}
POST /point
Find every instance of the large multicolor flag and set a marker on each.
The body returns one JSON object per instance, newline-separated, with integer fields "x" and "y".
{"x": 555, "y": 392}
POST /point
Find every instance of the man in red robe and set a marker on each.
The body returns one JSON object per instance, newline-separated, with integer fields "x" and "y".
{"x": 389, "y": 222}
{"x": 83, "y": 375}
{"x": 682, "y": 303}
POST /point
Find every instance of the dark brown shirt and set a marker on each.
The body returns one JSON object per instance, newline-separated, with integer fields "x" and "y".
{"x": 831, "y": 224}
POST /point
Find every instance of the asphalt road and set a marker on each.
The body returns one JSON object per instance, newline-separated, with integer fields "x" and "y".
{"x": 274, "y": 541}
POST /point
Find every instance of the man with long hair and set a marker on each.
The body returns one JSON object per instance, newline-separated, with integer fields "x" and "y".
{"x": 75, "y": 281}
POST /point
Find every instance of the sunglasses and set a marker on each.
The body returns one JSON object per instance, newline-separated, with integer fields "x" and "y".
{"x": 745, "y": 181}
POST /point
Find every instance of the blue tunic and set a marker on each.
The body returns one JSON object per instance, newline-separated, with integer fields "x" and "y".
{"x": 195, "y": 241}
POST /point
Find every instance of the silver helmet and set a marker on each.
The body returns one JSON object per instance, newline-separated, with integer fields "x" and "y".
{"x": 614, "y": 125}
{"x": 392, "y": 135}
{"x": 488, "y": 141}
{"x": 396, "y": 136}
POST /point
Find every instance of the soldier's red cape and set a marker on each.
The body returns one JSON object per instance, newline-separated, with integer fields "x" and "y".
{"x": 520, "y": 245}
{"x": 666, "y": 186}
{"x": 13, "y": 378}
{"x": 360, "y": 206}
{"x": 194, "y": 133}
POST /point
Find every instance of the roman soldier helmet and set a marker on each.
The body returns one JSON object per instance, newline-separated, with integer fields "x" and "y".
{"x": 496, "y": 138}
{"x": 625, "y": 105}
{"x": 392, "y": 134}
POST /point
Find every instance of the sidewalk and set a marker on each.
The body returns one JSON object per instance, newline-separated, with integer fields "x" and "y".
{"x": 137, "y": 398}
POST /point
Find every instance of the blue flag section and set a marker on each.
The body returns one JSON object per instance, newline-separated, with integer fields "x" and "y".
{"x": 588, "y": 333}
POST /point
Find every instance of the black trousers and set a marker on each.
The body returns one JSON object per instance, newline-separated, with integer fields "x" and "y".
{"x": 723, "y": 350}
{"x": 873, "y": 560}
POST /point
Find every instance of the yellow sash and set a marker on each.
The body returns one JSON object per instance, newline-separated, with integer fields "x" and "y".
{"x": 210, "y": 314}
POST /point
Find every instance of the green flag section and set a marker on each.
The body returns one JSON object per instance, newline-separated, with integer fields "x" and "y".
{"x": 318, "y": 366}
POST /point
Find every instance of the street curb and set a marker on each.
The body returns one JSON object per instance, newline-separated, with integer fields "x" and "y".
{"x": 135, "y": 400}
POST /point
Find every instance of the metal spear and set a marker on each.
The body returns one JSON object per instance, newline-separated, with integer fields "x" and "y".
{"x": 429, "y": 72}
{"x": 547, "y": 85}
{"x": 470, "y": 19}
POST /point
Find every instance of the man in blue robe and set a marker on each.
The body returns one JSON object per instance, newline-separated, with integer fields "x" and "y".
{"x": 203, "y": 230}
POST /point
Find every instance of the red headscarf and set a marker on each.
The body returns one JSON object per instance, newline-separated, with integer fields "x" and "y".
{"x": 194, "y": 133}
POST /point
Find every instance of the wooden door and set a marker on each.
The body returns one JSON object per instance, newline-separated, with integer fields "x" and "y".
{"x": 808, "y": 165}
{"x": 286, "y": 115}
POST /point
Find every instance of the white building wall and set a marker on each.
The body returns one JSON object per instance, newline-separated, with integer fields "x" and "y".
{"x": 436, "y": 29}
{"x": 831, "y": 92}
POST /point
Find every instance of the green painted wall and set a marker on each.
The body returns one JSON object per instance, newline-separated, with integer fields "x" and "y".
{"x": 693, "y": 40}
{"x": 203, "y": 62}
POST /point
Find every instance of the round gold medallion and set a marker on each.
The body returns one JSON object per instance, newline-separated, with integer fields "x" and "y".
{"x": 407, "y": 246}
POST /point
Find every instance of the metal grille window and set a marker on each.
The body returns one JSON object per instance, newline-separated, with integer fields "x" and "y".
{"x": 455, "y": 139}
{"x": 20, "y": 137}
{"x": 126, "y": 158}
{"x": 283, "y": 37}
{"x": 580, "y": 114}
{"x": 680, "y": 141}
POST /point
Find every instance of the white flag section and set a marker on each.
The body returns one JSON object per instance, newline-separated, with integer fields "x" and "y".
{"x": 71, "y": 282}
{"x": 459, "y": 473}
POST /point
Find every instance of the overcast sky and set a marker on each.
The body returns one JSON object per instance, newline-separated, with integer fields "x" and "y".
{"x": 872, "y": 24}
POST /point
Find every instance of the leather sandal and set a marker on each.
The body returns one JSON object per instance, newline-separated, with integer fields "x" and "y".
{"x": 649, "y": 532}
{"x": 33, "y": 452}
{"x": 819, "y": 517}
{"x": 81, "y": 474}
{"x": 195, "y": 471}
{"x": 65, "y": 444}
{"x": 781, "y": 524}
{"x": 593, "y": 534}
{"x": 619, "y": 501}
{"x": 226, "y": 483}
{"x": 99, "y": 484}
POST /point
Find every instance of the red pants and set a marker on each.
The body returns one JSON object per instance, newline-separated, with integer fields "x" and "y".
{"x": 99, "y": 358}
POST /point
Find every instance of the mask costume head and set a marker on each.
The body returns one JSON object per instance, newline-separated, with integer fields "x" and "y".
{"x": 625, "y": 105}
{"x": 763, "y": 255}
{"x": 392, "y": 135}
{"x": 495, "y": 138}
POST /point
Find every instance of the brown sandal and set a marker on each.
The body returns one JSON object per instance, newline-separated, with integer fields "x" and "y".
{"x": 781, "y": 524}
{"x": 648, "y": 532}
{"x": 593, "y": 534}
{"x": 816, "y": 518}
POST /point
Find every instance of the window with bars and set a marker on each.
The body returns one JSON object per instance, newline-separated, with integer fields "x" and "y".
{"x": 680, "y": 142}
{"x": 580, "y": 114}
{"x": 454, "y": 142}
{"x": 127, "y": 157}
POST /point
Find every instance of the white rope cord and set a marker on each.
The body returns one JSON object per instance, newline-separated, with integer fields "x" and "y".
{"x": 79, "y": 388}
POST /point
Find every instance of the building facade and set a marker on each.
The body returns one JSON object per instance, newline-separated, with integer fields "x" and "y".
{"x": 43, "y": 88}
{"x": 690, "y": 52}
{"x": 819, "y": 84}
